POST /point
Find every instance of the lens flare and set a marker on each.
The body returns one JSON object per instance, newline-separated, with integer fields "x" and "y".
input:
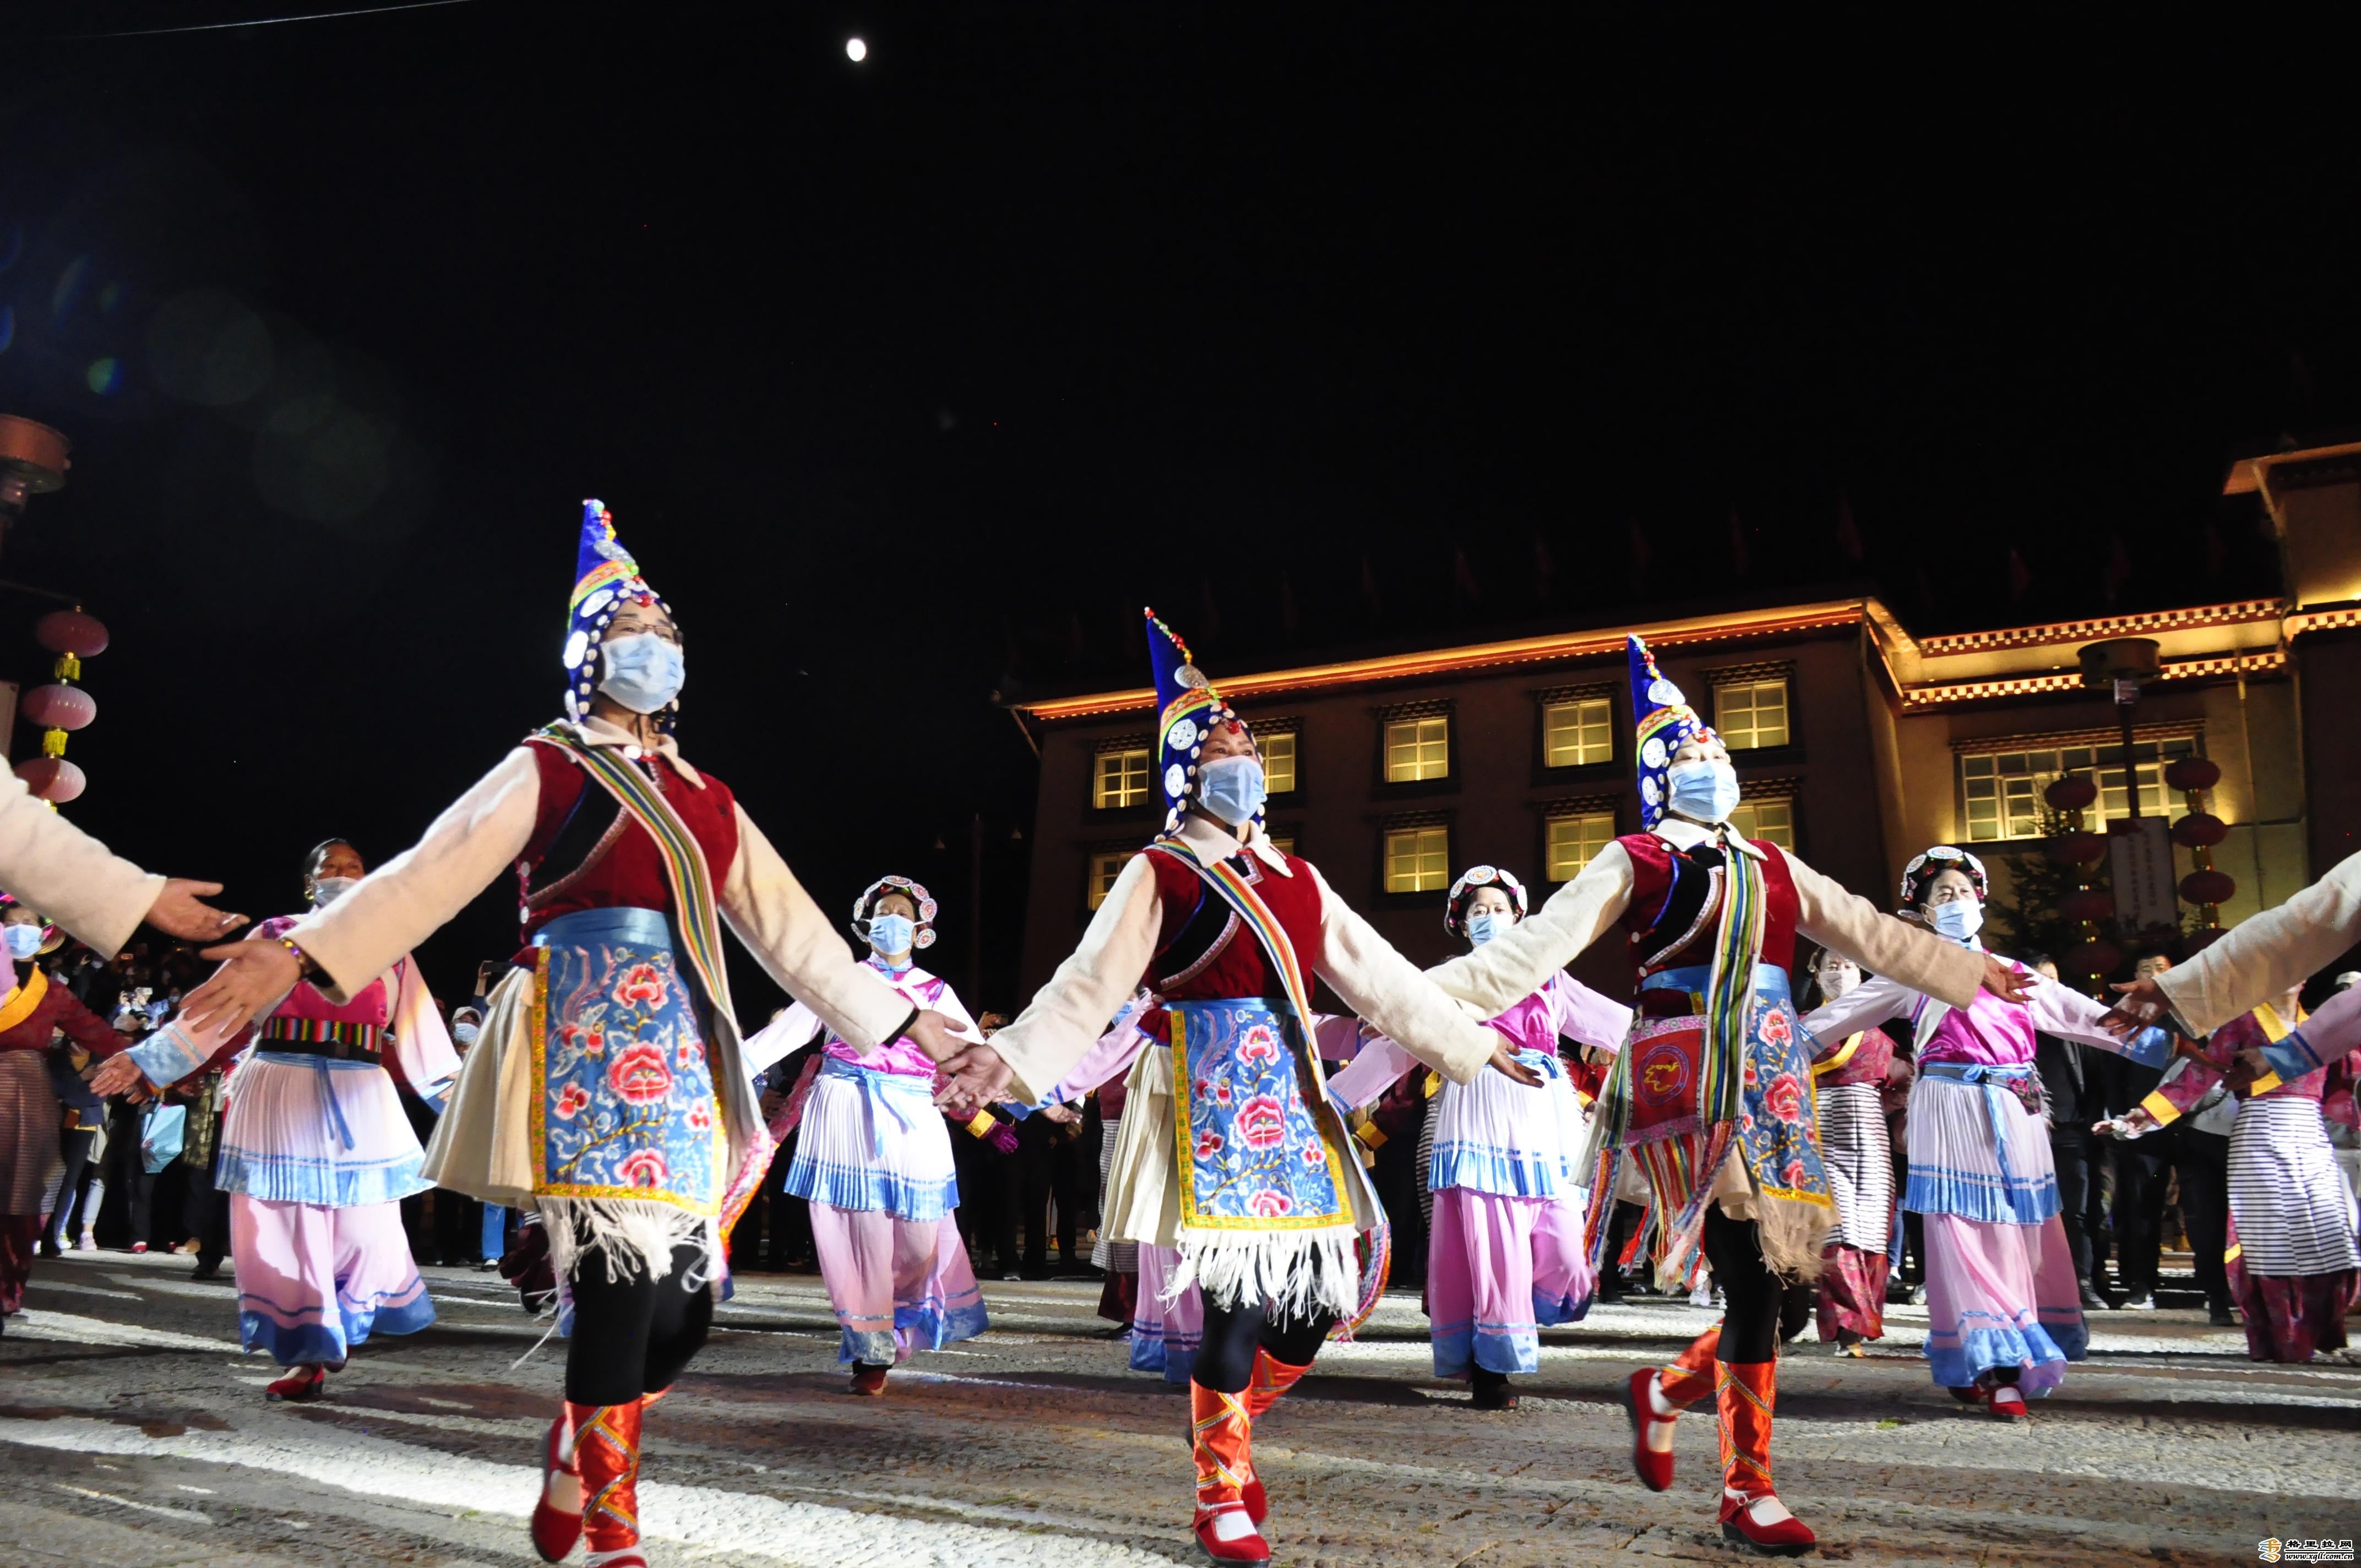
{"x": 7, "y": 326}
{"x": 855, "y": 51}
{"x": 106, "y": 377}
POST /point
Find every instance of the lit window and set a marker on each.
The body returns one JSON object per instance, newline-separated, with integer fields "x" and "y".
{"x": 1574, "y": 840}
{"x": 1750, "y": 715}
{"x": 1418, "y": 749}
{"x": 1104, "y": 870}
{"x": 1418, "y": 859}
{"x": 2001, "y": 790}
{"x": 1278, "y": 761}
{"x": 1773, "y": 821}
{"x": 1120, "y": 778}
{"x": 1575, "y": 734}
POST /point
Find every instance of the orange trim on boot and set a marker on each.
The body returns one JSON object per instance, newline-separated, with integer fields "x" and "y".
{"x": 1270, "y": 1384}
{"x": 607, "y": 1452}
{"x": 1691, "y": 1376}
{"x": 1746, "y": 1394}
{"x": 1221, "y": 1439}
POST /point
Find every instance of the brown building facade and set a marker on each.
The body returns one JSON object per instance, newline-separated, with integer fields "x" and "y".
{"x": 1857, "y": 744}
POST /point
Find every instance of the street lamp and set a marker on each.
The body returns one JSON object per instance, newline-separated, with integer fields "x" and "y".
{"x": 32, "y": 463}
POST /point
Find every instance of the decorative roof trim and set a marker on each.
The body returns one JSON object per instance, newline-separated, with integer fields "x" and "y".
{"x": 1582, "y": 805}
{"x": 1920, "y": 700}
{"x": 2141, "y": 625}
{"x": 2046, "y": 739}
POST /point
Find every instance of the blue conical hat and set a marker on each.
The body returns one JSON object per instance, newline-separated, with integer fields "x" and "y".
{"x": 605, "y": 579}
{"x": 1664, "y": 719}
{"x": 1187, "y": 707}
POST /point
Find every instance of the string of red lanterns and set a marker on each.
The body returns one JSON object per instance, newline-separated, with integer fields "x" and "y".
{"x": 60, "y": 707}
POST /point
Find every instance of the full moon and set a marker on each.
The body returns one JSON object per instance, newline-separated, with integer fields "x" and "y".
{"x": 855, "y": 51}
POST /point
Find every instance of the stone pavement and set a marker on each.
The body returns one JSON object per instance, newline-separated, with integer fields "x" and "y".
{"x": 137, "y": 1435}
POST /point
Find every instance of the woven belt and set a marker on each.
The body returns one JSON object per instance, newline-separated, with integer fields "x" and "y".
{"x": 320, "y": 1037}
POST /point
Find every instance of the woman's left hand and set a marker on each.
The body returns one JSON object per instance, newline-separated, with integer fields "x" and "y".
{"x": 2005, "y": 980}
{"x": 117, "y": 1075}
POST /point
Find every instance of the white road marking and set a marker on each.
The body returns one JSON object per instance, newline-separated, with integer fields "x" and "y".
{"x": 71, "y": 1328}
{"x": 189, "y": 1514}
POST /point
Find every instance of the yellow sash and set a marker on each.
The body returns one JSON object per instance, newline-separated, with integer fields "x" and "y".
{"x": 1844, "y": 1055}
{"x": 19, "y": 1007}
{"x": 2275, "y": 1029}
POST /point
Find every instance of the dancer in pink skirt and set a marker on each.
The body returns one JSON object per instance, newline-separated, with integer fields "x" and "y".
{"x": 1506, "y": 1258}
{"x": 2002, "y": 1299}
{"x": 316, "y": 1153}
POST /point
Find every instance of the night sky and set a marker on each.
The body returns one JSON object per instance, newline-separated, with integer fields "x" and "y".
{"x": 909, "y": 381}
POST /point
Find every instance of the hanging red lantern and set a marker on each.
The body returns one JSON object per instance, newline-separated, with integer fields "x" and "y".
{"x": 2077, "y": 848}
{"x": 59, "y": 707}
{"x": 71, "y": 631}
{"x": 2199, "y": 830}
{"x": 2087, "y": 904}
{"x": 2070, "y": 791}
{"x": 2093, "y": 958}
{"x": 53, "y": 779}
{"x": 2207, "y": 887}
{"x": 2193, "y": 772}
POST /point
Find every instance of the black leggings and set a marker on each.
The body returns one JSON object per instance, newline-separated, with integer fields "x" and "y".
{"x": 632, "y": 1335}
{"x": 1226, "y": 1356}
{"x": 1751, "y": 1292}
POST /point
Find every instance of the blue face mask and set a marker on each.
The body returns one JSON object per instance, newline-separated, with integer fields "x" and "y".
{"x": 642, "y": 672}
{"x": 24, "y": 941}
{"x": 1959, "y": 920}
{"x": 1707, "y": 792}
{"x": 1486, "y": 924}
{"x": 1231, "y": 788}
{"x": 891, "y": 934}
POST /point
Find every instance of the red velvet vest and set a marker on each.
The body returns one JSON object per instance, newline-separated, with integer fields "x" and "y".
{"x": 1204, "y": 951}
{"x": 1675, "y": 906}
{"x": 621, "y": 867}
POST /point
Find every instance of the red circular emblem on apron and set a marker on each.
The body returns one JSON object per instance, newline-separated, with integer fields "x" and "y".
{"x": 1663, "y": 1078}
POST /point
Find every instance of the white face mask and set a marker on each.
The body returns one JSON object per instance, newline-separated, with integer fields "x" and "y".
{"x": 644, "y": 672}
{"x": 1959, "y": 920}
{"x": 24, "y": 941}
{"x": 326, "y": 890}
{"x": 1836, "y": 979}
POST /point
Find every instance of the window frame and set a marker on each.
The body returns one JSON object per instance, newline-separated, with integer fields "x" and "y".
{"x": 1406, "y": 822}
{"x": 2165, "y": 742}
{"x": 1115, "y": 745}
{"x": 1266, "y": 730}
{"x": 1618, "y": 740}
{"x": 1787, "y": 789}
{"x": 1387, "y": 787}
{"x": 1571, "y": 809}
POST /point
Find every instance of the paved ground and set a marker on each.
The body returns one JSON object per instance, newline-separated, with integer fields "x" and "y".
{"x": 137, "y": 1435}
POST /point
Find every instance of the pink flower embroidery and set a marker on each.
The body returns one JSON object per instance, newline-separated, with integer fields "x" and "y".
{"x": 1262, "y": 1122}
{"x": 640, "y": 983}
{"x": 640, "y": 1075}
{"x": 643, "y": 1169}
{"x": 1794, "y": 1173}
{"x": 1774, "y": 1027}
{"x": 1784, "y": 1098}
{"x": 1209, "y": 1145}
{"x": 594, "y": 1042}
{"x": 1259, "y": 1045}
{"x": 701, "y": 1118}
{"x": 1269, "y": 1205}
{"x": 570, "y": 1102}
{"x": 1315, "y": 1155}
{"x": 687, "y": 1055}
{"x": 1222, "y": 1092}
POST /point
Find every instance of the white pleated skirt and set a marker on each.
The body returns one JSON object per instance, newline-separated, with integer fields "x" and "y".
{"x": 307, "y": 1129}
{"x": 1496, "y": 1135}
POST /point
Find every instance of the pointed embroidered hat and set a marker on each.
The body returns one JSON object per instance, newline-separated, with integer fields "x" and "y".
{"x": 1664, "y": 719}
{"x": 605, "y": 579}
{"x": 1187, "y": 709}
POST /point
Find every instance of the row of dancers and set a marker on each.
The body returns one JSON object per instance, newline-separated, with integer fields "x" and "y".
{"x": 609, "y": 1093}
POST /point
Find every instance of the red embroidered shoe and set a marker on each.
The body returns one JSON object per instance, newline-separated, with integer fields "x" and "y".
{"x": 300, "y": 1386}
{"x": 1248, "y": 1548}
{"x": 1790, "y": 1537}
{"x": 1255, "y": 1500}
{"x": 868, "y": 1379}
{"x": 1654, "y": 1470}
{"x": 2008, "y": 1402}
{"x": 555, "y": 1530}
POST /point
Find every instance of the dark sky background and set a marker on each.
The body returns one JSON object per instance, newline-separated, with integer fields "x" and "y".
{"x": 910, "y": 381}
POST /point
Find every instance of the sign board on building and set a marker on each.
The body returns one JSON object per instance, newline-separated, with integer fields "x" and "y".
{"x": 2139, "y": 861}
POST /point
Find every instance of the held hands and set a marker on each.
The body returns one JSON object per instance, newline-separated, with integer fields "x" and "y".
{"x": 179, "y": 910}
{"x": 1064, "y": 1115}
{"x": 1504, "y": 1061}
{"x": 971, "y": 1078}
{"x": 2243, "y": 1070}
{"x": 2142, "y": 1003}
{"x": 2006, "y": 983}
{"x": 931, "y": 1033}
{"x": 2131, "y": 1124}
{"x": 252, "y": 979}
{"x": 117, "y": 1074}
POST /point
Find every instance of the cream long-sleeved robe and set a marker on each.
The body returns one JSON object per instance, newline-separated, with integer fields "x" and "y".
{"x": 1067, "y": 1016}
{"x": 1504, "y": 970}
{"x": 398, "y": 904}
{"x": 2267, "y": 954}
{"x": 54, "y": 867}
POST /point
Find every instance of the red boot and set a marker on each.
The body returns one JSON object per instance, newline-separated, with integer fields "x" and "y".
{"x": 300, "y": 1386}
{"x": 1689, "y": 1378}
{"x": 868, "y": 1379}
{"x": 1752, "y": 1513}
{"x": 556, "y": 1528}
{"x": 1221, "y": 1439}
{"x": 606, "y": 1451}
{"x": 1271, "y": 1380}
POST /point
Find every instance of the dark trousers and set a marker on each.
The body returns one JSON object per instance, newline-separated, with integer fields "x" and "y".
{"x": 1226, "y": 1356}
{"x": 1053, "y": 1170}
{"x": 2202, "y": 1160}
{"x": 633, "y": 1334}
{"x": 1752, "y": 1294}
{"x": 205, "y": 1212}
{"x": 126, "y": 1176}
{"x": 2143, "y": 1171}
{"x": 2071, "y": 1151}
{"x": 989, "y": 1191}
